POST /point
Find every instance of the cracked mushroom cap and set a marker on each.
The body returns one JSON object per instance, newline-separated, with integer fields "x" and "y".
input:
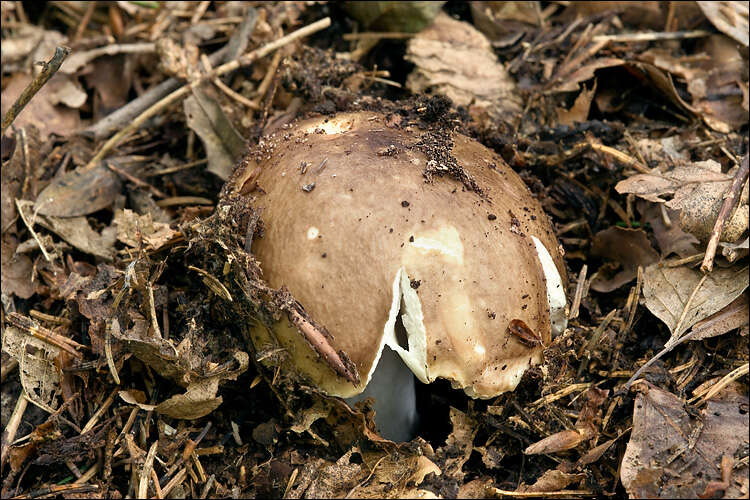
{"x": 362, "y": 240}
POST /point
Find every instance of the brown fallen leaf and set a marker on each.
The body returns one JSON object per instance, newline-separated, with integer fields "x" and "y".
{"x": 729, "y": 17}
{"x": 559, "y": 441}
{"x": 678, "y": 452}
{"x": 698, "y": 190}
{"x": 671, "y": 239}
{"x": 452, "y": 58}
{"x": 42, "y": 111}
{"x": 36, "y": 362}
{"x": 579, "y": 112}
{"x": 76, "y": 231}
{"x": 552, "y": 480}
{"x": 733, "y": 316}
{"x": 223, "y": 143}
{"x": 668, "y": 291}
{"x": 629, "y": 247}
{"x": 154, "y": 234}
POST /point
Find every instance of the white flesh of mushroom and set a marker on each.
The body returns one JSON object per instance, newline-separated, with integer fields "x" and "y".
{"x": 391, "y": 378}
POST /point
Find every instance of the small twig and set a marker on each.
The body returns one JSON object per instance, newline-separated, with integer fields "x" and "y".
{"x": 322, "y": 346}
{"x": 652, "y": 36}
{"x": 730, "y": 201}
{"x": 673, "y": 341}
{"x": 268, "y": 78}
{"x": 148, "y": 466}
{"x": 9, "y": 433}
{"x": 725, "y": 381}
{"x": 127, "y": 113}
{"x": 226, "y": 88}
{"x": 84, "y": 21}
{"x": 579, "y": 292}
{"x": 390, "y": 35}
{"x": 98, "y": 413}
{"x": 244, "y": 60}
{"x": 30, "y": 226}
{"x": 49, "y": 69}
{"x": 135, "y": 180}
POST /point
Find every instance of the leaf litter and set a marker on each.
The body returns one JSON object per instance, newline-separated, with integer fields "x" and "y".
{"x": 629, "y": 122}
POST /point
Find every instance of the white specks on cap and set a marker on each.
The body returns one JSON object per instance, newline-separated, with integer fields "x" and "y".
{"x": 479, "y": 349}
{"x": 312, "y": 233}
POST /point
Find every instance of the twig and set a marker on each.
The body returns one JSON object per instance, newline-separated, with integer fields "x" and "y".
{"x": 148, "y": 466}
{"x": 390, "y": 35}
{"x": 9, "y": 433}
{"x": 725, "y": 381}
{"x": 227, "y": 89}
{"x": 84, "y": 21}
{"x": 673, "y": 341}
{"x": 248, "y": 58}
{"x": 49, "y": 69}
{"x": 98, "y": 413}
{"x": 730, "y": 201}
{"x": 127, "y": 113}
{"x": 30, "y": 226}
{"x": 135, "y": 180}
{"x": 535, "y": 494}
{"x": 652, "y": 36}
{"x": 579, "y": 292}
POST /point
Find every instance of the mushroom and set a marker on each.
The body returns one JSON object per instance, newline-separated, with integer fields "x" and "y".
{"x": 421, "y": 253}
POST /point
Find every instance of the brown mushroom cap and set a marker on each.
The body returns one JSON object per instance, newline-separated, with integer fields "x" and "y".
{"x": 372, "y": 238}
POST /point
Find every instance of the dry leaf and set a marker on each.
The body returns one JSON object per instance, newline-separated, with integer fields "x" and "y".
{"x": 454, "y": 59}
{"x": 39, "y": 375}
{"x": 76, "y": 231}
{"x": 673, "y": 455}
{"x": 559, "y": 441}
{"x": 552, "y": 480}
{"x": 424, "y": 466}
{"x": 129, "y": 225}
{"x": 84, "y": 191}
{"x": 41, "y": 111}
{"x": 666, "y": 291}
{"x": 731, "y": 18}
{"x": 698, "y": 190}
{"x": 629, "y": 247}
{"x": 137, "y": 398}
{"x": 223, "y": 143}
{"x": 17, "y": 277}
{"x": 459, "y": 442}
{"x": 730, "y": 318}
{"x": 671, "y": 239}
{"x": 200, "y": 397}
{"x": 579, "y": 112}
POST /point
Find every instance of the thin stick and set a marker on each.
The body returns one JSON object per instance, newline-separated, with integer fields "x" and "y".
{"x": 9, "y": 434}
{"x": 652, "y": 36}
{"x": 730, "y": 201}
{"x": 244, "y": 60}
{"x": 148, "y": 466}
{"x": 84, "y": 21}
{"x": 31, "y": 230}
{"x": 98, "y": 414}
{"x": 673, "y": 341}
{"x": 135, "y": 180}
{"x": 49, "y": 69}
{"x": 127, "y": 113}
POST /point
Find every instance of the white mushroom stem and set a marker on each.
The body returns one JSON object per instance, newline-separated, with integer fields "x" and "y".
{"x": 391, "y": 380}
{"x": 393, "y": 387}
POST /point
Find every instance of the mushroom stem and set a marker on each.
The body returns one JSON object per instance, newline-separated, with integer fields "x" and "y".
{"x": 393, "y": 388}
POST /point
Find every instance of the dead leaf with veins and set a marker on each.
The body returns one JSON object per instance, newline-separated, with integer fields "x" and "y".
{"x": 672, "y": 454}
{"x": 669, "y": 291}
